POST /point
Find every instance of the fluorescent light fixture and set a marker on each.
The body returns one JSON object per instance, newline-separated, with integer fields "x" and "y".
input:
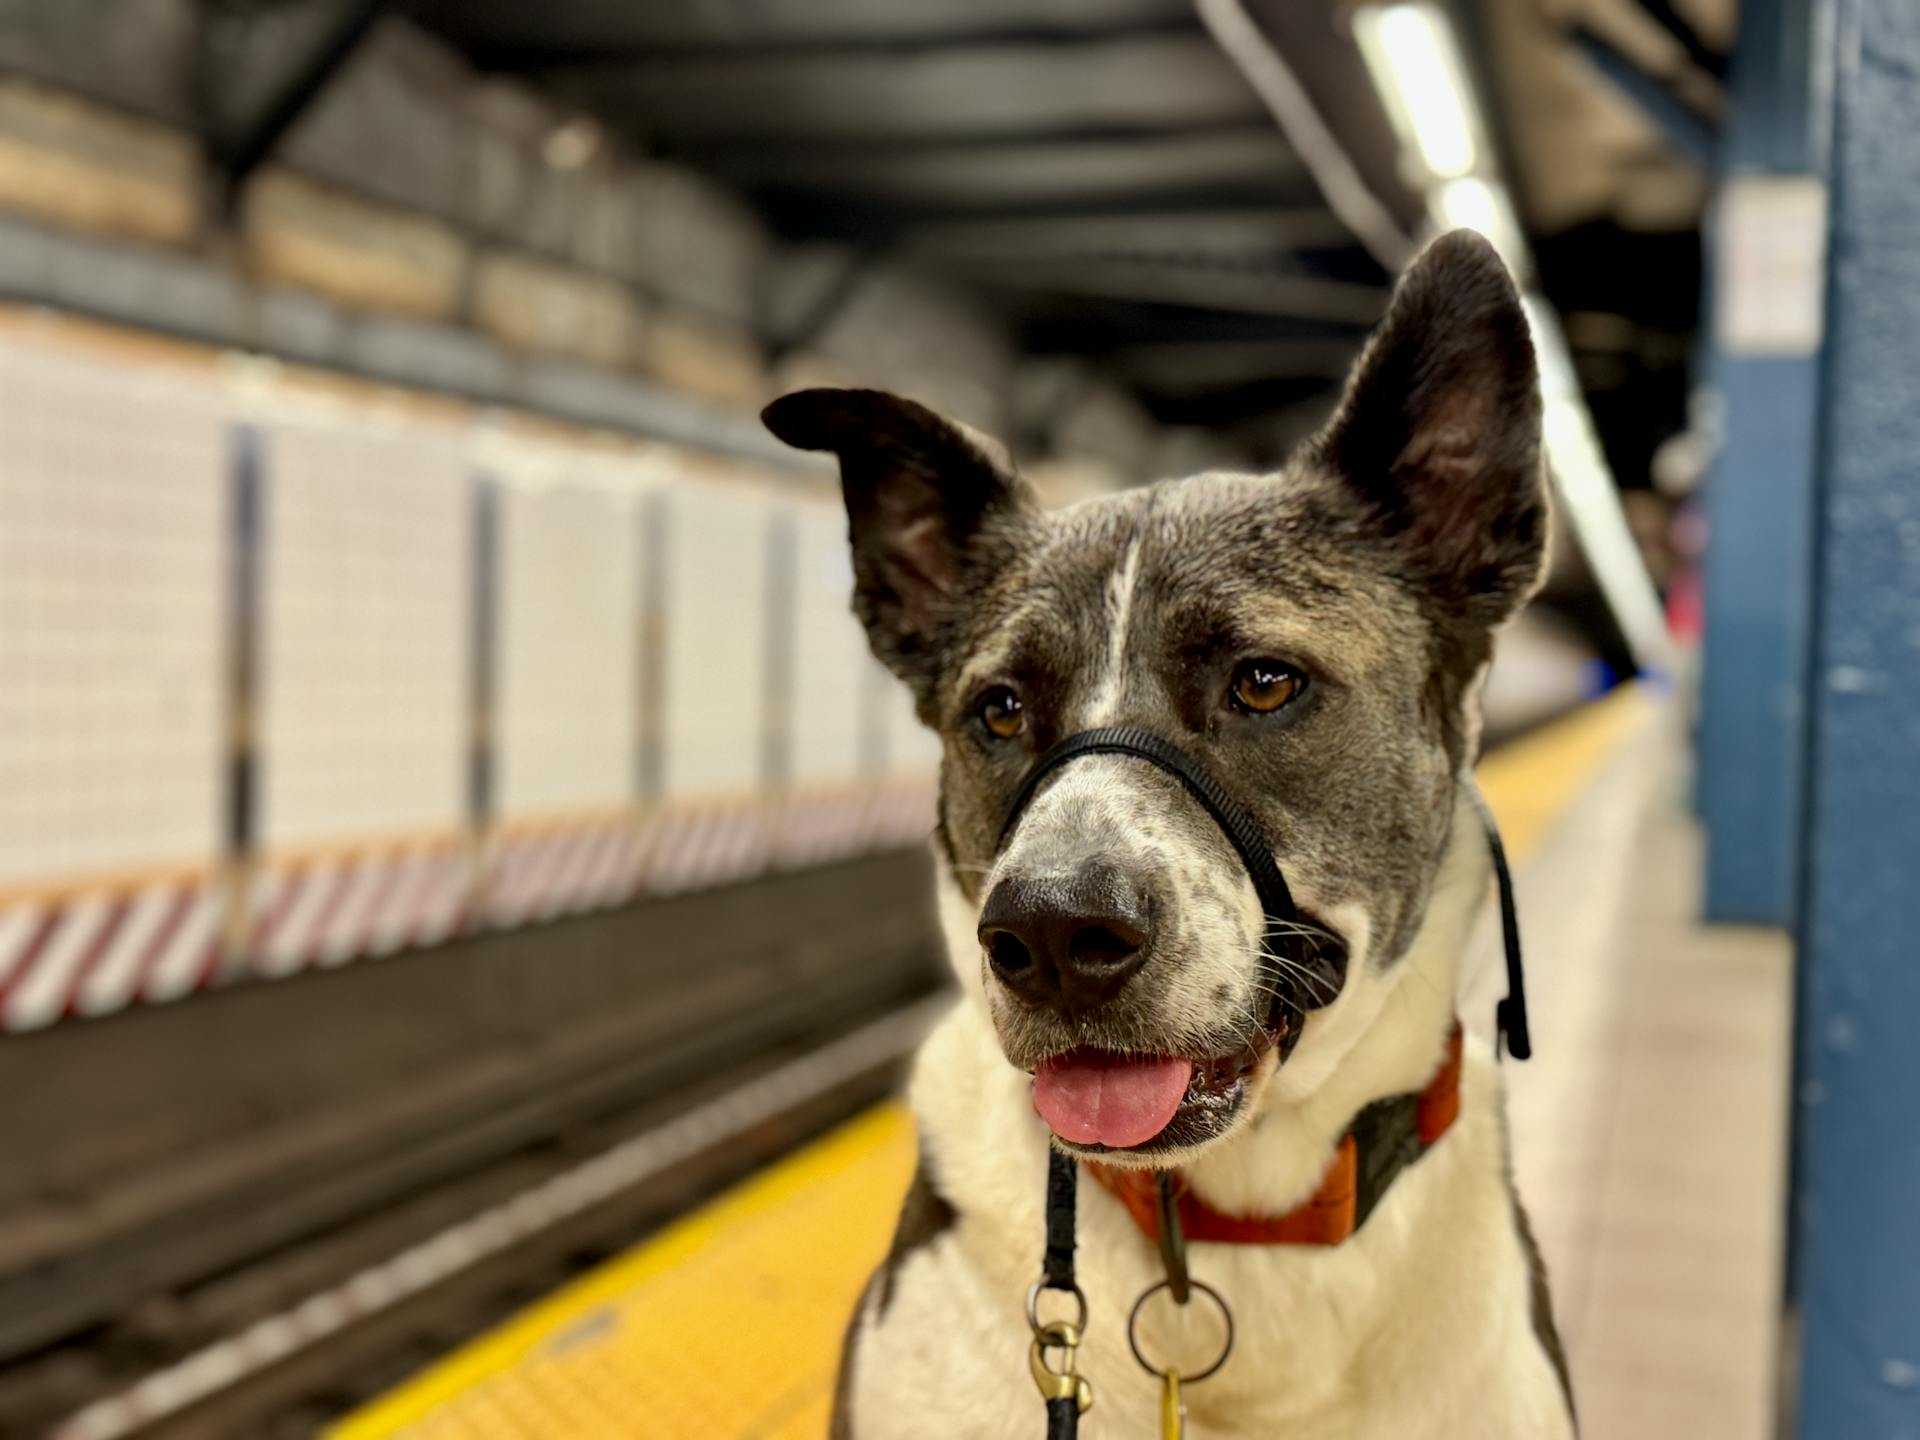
{"x": 1410, "y": 51}
{"x": 1471, "y": 203}
{"x": 1590, "y": 498}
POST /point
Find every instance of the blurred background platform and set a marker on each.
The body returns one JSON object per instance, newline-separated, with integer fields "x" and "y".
{"x": 465, "y": 908}
{"x": 1648, "y": 1135}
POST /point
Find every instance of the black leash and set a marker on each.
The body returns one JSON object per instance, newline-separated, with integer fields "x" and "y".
{"x": 1067, "y": 1393}
{"x": 1062, "y": 1178}
{"x": 1173, "y": 1241}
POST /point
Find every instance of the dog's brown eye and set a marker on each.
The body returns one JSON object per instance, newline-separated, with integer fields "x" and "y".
{"x": 1263, "y": 686}
{"x": 1002, "y": 713}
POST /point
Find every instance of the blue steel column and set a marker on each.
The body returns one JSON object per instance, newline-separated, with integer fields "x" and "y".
{"x": 1758, "y": 501}
{"x": 1857, "y": 1205}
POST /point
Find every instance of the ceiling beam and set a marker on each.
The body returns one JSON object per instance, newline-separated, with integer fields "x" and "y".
{"x": 1190, "y": 367}
{"x": 1196, "y": 286}
{"x": 1247, "y": 235}
{"x": 1236, "y": 231}
{"x": 237, "y": 146}
{"x": 1045, "y": 167}
{"x": 736, "y": 149}
{"x": 585, "y": 22}
{"x": 1150, "y": 82}
{"x": 835, "y": 215}
{"x": 1065, "y": 324}
{"x": 521, "y": 57}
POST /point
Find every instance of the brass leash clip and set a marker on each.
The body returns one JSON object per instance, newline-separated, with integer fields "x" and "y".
{"x": 1064, "y": 1383}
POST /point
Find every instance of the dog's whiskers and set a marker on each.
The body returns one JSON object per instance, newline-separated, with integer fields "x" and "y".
{"x": 1302, "y": 928}
{"x": 1318, "y": 987}
{"x": 1266, "y": 991}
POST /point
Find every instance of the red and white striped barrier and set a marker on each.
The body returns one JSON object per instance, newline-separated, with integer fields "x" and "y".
{"x": 549, "y": 871}
{"x": 95, "y": 952}
{"x": 698, "y": 844}
{"x": 333, "y": 910}
{"x": 823, "y": 825}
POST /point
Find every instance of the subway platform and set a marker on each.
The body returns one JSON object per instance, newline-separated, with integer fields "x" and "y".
{"x": 1649, "y": 1138}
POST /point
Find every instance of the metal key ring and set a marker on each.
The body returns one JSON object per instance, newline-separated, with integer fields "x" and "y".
{"x": 1079, "y": 1300}
{"x": 1133, "y": 1322}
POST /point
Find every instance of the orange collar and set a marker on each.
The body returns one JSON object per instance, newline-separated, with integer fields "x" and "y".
{"x": 1383, "y": 1140}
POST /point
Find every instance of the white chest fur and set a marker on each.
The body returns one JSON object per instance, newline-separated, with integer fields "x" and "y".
{"x": 1418, "y": 1326}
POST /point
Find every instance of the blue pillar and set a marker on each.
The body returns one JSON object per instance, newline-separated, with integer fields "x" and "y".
{"x": 1857, "y": 1200}
{"x": 1768, "y": 213}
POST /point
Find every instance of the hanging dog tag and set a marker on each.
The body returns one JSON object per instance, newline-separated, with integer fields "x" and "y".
{"x": 1173, "y": 1410}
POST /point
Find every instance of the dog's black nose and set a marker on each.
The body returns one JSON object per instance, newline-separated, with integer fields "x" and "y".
{"x": 1071, "y": 941}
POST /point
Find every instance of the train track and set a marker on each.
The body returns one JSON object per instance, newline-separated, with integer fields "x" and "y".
{"x": 278, "y": 1334}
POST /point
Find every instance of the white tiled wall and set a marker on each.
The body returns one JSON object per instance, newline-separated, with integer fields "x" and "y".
{"x": 715, "y": 663}
{"x": 568, "y": 650}
{"x": 117, "y": 568}
{"x": 112, "y": 511}
{"x": 365, "y": 630}
{"x": 830, "y": 658}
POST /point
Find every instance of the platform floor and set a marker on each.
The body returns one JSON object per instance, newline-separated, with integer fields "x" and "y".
{"x": 1648, "y": 1131}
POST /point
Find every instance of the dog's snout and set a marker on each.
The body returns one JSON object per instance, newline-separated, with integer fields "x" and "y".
{"x": 1072, "y": 941}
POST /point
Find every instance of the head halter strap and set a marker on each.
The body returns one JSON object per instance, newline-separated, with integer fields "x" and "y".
{"x": 1290, "y": 952}
{"x": 1244, "y": 833}
{"x": 1233, "y": 818}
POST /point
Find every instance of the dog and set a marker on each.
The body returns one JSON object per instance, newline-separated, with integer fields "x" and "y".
{"x": 1316, "y": 638}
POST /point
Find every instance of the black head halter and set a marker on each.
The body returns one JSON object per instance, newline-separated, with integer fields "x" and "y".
{"x": 1294, "y": 952}
{"x": 1305, "y": 971}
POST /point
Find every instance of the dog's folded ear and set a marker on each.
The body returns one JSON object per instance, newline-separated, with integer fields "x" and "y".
{"x": 927, "y": 503}
{"x": 1440, "y": 432}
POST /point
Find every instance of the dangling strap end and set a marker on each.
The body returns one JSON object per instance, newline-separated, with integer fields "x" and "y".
{"x": 1510, "y": 1019}
{"x": 1510, "y": 1015}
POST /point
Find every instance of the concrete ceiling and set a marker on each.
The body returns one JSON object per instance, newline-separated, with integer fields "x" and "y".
{"x": 1098, "y": 169}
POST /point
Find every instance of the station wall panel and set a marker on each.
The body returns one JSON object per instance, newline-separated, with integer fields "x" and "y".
{"x": 364, "y": 680}
{"x": 830, "y": 658}
{"x": 715, "y": 666}
{"x": 112, "y": 546}
{"x": 568, "y": 654}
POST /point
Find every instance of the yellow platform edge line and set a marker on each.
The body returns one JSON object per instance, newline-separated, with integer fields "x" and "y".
{"x": 505, "y": 1346}
{"x": 1531, "y": 784}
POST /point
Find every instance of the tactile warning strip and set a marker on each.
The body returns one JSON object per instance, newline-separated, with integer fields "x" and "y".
{"x": 719, "y": 1326}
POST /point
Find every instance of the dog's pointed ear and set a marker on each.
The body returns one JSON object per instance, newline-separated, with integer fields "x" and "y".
{"x": 930, "y": 511}
{"x": 1440, "y": 432}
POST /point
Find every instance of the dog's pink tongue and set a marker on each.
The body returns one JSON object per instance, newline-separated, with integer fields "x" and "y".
{"x": 1116, "y": 1100}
